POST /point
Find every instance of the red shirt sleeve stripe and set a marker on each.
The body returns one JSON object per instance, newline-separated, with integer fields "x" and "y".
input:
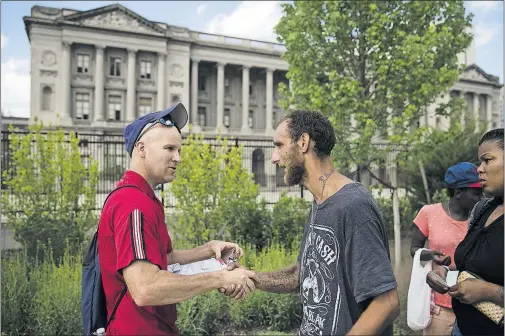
{"x": 136, "y": 227}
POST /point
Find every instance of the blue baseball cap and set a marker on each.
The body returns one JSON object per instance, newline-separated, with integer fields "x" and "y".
{"x": 462, "y": 175}
{"x": 177, "y": 114}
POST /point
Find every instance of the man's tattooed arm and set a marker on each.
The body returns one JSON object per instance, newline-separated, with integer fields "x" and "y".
{"x": 286, "y": 280}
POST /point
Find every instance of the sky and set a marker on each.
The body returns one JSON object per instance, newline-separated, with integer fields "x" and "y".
{"x": 245, "y": 19}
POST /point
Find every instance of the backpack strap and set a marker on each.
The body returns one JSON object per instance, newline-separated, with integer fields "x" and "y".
{"x": 123, "y": 292}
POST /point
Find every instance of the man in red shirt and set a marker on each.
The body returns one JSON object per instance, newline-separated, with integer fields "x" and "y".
{"x": 134, "y": 246}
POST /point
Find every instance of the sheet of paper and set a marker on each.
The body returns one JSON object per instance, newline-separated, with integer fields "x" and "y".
{"x": 204, "y": 266}
{"x": 452, "y": 278}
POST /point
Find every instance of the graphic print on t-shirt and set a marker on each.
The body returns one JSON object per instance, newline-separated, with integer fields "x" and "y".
{"x": 320, "y": 297}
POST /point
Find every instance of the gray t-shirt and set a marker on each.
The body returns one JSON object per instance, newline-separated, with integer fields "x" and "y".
{"x": 348, "y": 242}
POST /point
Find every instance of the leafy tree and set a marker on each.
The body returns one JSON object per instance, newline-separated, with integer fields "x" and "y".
{"x": 49, "y": 194}
{"x": 215, "y": 195}
{"x": 438, "y": 151}
{"x": 372, "y": 67}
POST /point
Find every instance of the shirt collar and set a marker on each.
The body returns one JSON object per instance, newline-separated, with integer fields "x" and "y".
{"x": 134, "y": 178}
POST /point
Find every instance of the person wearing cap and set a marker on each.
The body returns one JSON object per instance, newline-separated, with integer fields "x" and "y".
{"x": 134, "y": 245}
{"x": 444, "y": 225}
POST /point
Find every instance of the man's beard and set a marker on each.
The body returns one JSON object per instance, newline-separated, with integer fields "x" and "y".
{"x": 295, "y": 172}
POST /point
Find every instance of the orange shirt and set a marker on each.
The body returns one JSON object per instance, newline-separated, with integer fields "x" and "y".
{"x": 444, "y": 234}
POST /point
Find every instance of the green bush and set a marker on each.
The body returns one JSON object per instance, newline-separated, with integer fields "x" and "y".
{"x": 50, "y": 194}
{"x": 289, "y": 216}
{"x": 43, "y": 298}
{"x": 211, "y": 188}
{"x": 16, "y": 293}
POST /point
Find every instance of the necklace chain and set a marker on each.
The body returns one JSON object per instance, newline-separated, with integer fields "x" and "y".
{"x": 323, "y": 179}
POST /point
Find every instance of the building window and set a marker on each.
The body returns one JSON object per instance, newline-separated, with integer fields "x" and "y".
{"x": 202, "y": 116}
{"x": 114, "y": 110}
{"x": 250, "y": 89}
{"x": 227, "y": 89}
{"x": 82, "y": 106}
{"x": 258, "y": 167}
{"x": 202, "y": 83}
{"x": 47, "y": 97}
{"x": 145, "y": 105}
{"x": 82, "y": 63}
{"x": 226, "y": 117}
{"x": 145, "y": 69}
{"x": 250, "y": 120}
{"x": 115, "y": 67}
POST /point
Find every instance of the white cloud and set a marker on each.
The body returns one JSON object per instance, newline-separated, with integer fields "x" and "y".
{"x": 201, "y": 9}
{"x": 4, "y": 40}
{"x": 486, "y": 32}
{"x": 15, "y": 86}
{"x": 483, "y": 6}
{"x": 251, "y": 19}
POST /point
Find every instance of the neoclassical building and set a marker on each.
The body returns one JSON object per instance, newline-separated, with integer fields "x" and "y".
{"x": 100, "y": 69}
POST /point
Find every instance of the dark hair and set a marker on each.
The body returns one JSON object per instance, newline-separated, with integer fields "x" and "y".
{"x": 495, "y": 135}
{"x": 316, "y": 125}
{"x": 450, "y": 192}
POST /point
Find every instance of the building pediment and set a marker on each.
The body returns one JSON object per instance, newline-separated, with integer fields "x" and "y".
{"x": 115, "y": 17}
{"x": 476, "y": 74}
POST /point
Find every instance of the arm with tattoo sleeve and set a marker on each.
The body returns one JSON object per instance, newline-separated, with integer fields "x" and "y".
{"x": 285, "y": 280}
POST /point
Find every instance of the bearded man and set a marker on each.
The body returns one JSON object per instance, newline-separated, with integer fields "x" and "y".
{"x": 343, "y": 272}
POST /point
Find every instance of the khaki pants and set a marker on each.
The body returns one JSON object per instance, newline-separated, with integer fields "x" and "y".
{"x": 442, "y": 321}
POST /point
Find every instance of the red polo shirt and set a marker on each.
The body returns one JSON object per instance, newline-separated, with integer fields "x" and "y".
{"x": 132, "y": 227}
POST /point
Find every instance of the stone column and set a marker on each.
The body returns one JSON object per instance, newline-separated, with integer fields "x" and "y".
{"x": 66, "y": 73}
{"x": 194, "y": 95}
{"x": 476, "y": 114}
{"x": 245, "y": 99}
{"x": 130, "y": 89}
{"x": 161, "y": 81}
{"x": 489, "y": 112}
{"x": 269, "y": 98}
{"x": 220, "y": 96}
{"x": 465, "y": 109}
{"x": 99, "y": 83}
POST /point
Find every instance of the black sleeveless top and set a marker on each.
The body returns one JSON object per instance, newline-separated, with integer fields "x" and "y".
{"x": 481, "y": 253}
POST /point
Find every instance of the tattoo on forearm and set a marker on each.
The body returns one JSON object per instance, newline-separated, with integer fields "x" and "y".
{"x": 500, "y": 291}
{"x": 282, "y": 281}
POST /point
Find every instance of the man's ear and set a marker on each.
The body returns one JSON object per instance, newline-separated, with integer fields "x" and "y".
{"x": 141, "y": 149}
{"x": 458, "y": 193}
{"x": 304, "y": 143}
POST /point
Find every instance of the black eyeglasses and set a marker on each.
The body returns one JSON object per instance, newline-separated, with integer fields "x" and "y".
{"x": 165, "y": 122}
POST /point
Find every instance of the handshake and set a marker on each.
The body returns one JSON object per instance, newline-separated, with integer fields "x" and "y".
{"x": 238, "y": 281}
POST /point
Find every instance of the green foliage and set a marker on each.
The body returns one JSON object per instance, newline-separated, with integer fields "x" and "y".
{"x": 211, "y": 188}
{"x": 16, "y": 293}
{"x": 289, "y": 216}
{"x": 438, "y": 151}
{"x": 372, "y": 67}
{"x": 407, "y": 214}
{"x": 50, "y": 194}
{"x": 43, "y": 298}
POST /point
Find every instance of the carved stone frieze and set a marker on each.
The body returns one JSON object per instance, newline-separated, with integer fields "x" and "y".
{"x": 48, "y": 73}
{"x": 176, "y": 71}
{"x": 48, "y": 58}
{"x": 117, "y": 20}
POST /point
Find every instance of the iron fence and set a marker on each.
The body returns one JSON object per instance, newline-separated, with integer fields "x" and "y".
{"x": 113, "y": 160}
{"x": 108, "y": 150}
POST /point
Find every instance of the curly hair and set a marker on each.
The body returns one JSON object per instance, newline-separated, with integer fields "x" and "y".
{"x": 316, "y": 125}
{"x": 495, "y": 135}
